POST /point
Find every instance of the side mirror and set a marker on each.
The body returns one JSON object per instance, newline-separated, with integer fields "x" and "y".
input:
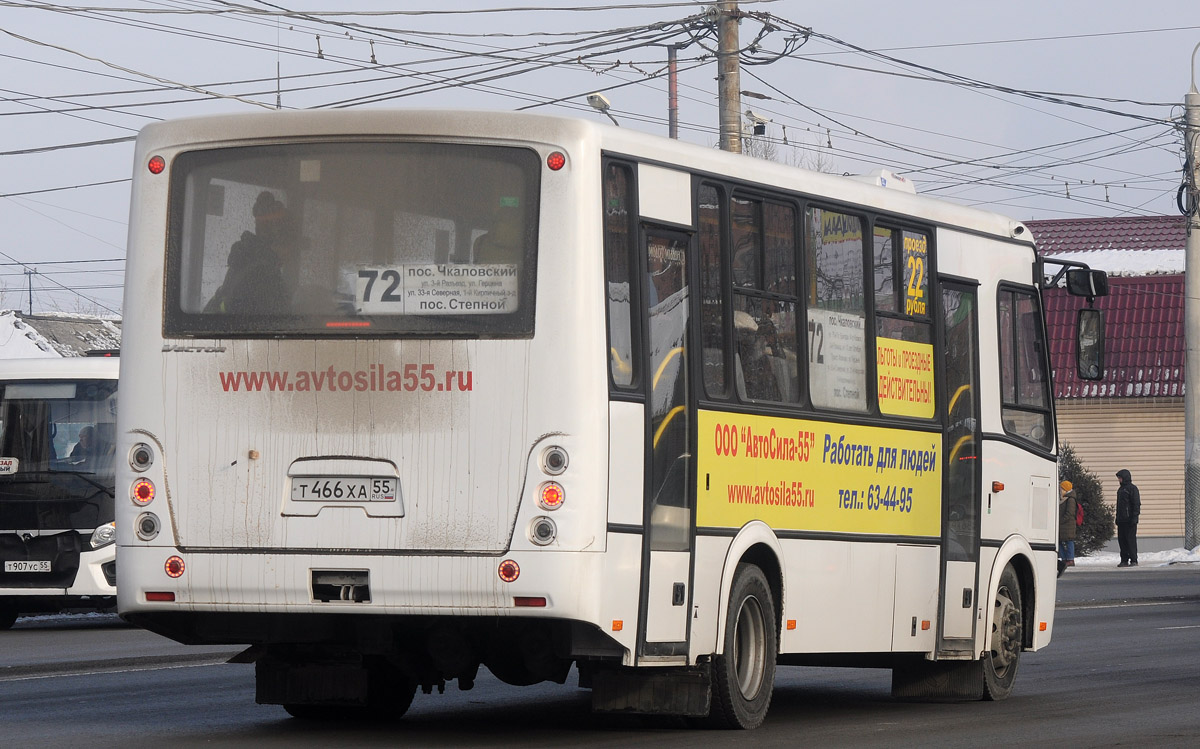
{"x": 1089, "y": 344}
{"x": 1088, "y": 283}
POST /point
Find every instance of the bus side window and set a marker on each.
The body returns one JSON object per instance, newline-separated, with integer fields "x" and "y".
{"x": 1024, "y": 380}
{"x": 712, "y": 292}
{"x": 618, "y": 265}
{"x": 903, "y": 331}
{"x": 837, "y": 365}
{"x": 764, "y": 300}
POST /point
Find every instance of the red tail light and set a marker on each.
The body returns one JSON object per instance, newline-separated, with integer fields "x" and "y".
{"x": 174, "y": 566}
{"x": 509, "y": 570}
{"x": 551, "y": 496}
{"x": 143, "y": 491}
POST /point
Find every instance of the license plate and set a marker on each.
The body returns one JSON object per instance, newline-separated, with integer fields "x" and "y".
{"x": 343, "y": 489}
{"x": 42, "y": 565}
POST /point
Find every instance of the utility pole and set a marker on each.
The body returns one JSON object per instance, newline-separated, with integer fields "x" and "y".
{"x": 1191, "y": 317}
{"x": 729, "y": 77}
{"x": 672, "y": 92}
{"x": 29, "y": 273}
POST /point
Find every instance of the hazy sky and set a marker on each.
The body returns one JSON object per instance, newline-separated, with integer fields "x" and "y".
{"x": 1048, "y": 109}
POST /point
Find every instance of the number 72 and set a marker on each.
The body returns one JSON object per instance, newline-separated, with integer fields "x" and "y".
{"x": 389, "y": 294}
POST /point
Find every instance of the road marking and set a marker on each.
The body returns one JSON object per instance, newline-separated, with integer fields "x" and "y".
{"x": 1190, "y": 626}
{"x": 1080, "y": 606}
{"x": 129, "y": 670}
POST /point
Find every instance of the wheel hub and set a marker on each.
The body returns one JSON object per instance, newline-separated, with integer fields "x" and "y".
{"x": 1006, "y": 632}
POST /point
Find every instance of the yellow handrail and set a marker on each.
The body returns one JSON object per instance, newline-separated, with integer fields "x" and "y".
{"x": 670, "y": 355}
{"x": 663, "y": 425}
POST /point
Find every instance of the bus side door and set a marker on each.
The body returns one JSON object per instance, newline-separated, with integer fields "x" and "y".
{"x": 961, "y": 471}
{"x": 668, "y": 519}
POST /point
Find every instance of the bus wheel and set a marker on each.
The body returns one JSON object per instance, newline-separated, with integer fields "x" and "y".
{"x": 744, "y": 674}
{"x": 1008, "y": 633}
{"x": 390, "y": 693}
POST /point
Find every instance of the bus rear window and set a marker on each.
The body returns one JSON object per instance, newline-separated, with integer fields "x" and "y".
{"x": 374, "y": 238}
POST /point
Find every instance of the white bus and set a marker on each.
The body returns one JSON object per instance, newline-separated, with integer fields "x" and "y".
{"x": 58, "y": 422}
{"x": 420, "y": 391}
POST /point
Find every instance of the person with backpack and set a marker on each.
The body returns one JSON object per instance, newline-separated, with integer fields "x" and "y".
{"x": 1068, "y": 517}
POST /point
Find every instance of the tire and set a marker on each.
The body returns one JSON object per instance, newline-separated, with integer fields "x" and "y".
{"x": 8, "y": 616}
{"x": 744, "y": 673}
{"x": 391, "y": 694}
{"x": 1008, "y": 635}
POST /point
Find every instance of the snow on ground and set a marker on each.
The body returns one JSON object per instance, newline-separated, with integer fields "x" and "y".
{"x": 1145, "y": 559}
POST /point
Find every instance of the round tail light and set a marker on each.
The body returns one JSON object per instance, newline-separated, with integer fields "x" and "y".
{"x": 551, "y": 495}
{"x": 554, "y": 460}
{"x": 509, "y": 570}
{"x": 147, "y": 526}
{"x": 543, "y": 531}
{"x": 141, "y": 457}
{"x": 142, "y": 492}
{"x": 174, "y": 566}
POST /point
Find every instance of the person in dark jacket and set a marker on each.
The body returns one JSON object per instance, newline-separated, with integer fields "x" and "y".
{"x": 1129, "y": 507}
{"x": 1067, "y": 508}
{"x": 254, "y": 281}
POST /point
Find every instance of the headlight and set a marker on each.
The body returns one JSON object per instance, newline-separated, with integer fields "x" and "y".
{"x": 103, "y": 536}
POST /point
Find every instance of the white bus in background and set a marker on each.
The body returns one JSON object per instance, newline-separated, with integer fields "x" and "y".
{"x": 57, "y": 533}
{"x": 420, "y": 391}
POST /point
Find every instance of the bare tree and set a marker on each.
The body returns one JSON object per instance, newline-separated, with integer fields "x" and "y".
{"x": 802, "y": 155}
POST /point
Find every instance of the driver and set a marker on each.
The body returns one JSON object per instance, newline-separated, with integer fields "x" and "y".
{"x": 87, "y": 447}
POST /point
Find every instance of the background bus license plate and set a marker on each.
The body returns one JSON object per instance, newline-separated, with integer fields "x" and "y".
{"x": 42, "y": 565}
{"x": 343, "y": 489}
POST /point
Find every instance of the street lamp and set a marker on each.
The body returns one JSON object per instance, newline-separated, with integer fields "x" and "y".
{"x": 600, "y": 103}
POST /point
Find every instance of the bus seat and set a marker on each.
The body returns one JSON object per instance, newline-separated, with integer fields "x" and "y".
{"x": 784, "y": 369}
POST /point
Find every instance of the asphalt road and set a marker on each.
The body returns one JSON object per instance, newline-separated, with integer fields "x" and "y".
{"x": 1121, "y": 671}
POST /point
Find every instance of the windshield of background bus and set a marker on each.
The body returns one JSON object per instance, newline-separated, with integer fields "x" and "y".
{"x": 415, "y": 237}
{"x": 59, "y": 426}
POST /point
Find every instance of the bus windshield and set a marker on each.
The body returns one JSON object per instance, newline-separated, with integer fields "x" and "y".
{"x": 56, "y": 454}
{"x": 374, "y": 238}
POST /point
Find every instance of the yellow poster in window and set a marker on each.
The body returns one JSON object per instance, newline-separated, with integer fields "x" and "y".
{"x": 905, "y": 371}
{"x": 815, "y": 476}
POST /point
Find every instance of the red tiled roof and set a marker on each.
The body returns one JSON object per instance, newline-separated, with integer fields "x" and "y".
{"x": 1144, "y": 338}
{"x": 1058, "y": 236}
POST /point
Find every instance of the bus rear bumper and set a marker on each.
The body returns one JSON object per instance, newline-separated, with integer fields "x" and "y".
{"x": 573, "y": 586}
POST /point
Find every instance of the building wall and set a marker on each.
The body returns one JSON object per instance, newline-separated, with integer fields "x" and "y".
{"x": 1144, "y": 435}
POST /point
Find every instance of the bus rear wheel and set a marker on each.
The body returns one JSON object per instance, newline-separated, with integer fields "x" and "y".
{"x": 744, "y": 674}
{"x": 1008, "y": 636}
{"x": 390, "y": 693}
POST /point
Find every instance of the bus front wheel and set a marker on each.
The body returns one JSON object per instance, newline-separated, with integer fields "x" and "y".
{"x": 744, "y": 674}
{"x": 8, "y": 615}
{"x": 1008, "y": 635}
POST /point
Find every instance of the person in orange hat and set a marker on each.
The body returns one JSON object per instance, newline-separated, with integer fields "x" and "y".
{"x": 1067, "y": 508}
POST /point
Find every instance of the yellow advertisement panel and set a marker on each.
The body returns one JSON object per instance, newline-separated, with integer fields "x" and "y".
{"x": 905, "y": 373}
{"x": 805, "y": 475}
